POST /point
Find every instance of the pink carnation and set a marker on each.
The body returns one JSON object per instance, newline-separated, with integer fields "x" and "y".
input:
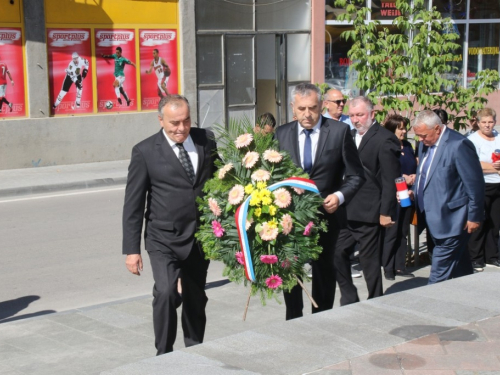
{"x": 268, "y": 233}
{"x": 214, "y": 206}
{"x": 248, "y": 223}
{"x": 217, "y": 229}
{"x": 224, "y": 170}
{"x": 286, "y": 264}
{"x": 286, "y": 223}
{"x": 272, "y": 156}
{"x": 268, "y": 259}
{"x": 282, "y": 198}
{"x": 250, "y": 159}
{"x": 273, "y": 281}
{"x": 236, "y": 195}
{"x": 299, "y": 191}
{"x": 307, "y": 230}
{"x": 239, "y": 257}
{"x": 243, "y": 140}
{"x": 261, "y": 175}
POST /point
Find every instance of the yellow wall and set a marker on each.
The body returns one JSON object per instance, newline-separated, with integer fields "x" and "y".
{"x": 10, "y": 13}
{"x": 150, "y": 12}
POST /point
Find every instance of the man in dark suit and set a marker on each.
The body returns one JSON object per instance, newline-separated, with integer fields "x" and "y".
{"x": 323, "y": 148}
{"x": 373, "y": 206}
{"x": 167, "y": 172}
{"x": 449, "y": 194}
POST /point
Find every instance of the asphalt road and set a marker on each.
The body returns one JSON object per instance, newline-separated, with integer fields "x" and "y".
{"x": 63, "y": 251}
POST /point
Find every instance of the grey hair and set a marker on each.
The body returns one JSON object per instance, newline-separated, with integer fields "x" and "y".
{"x": 174, "y": 100}
{"x": 305, "y": 89}
{"x": 362, "y": 99}
{"x": 428, "y": 118}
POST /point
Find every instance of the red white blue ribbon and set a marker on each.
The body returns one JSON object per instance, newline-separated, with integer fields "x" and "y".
{"x": 242, "y": 213}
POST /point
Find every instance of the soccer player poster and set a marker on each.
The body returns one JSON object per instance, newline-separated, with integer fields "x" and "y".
{"x": 70, "y": 76}
{"x": 116, "y": 70}
{"x": 12, "y": 103}
{"x": 158, "y": 53}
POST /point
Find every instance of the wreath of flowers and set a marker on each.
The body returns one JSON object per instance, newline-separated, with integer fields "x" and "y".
{"x": 282, "y": 225}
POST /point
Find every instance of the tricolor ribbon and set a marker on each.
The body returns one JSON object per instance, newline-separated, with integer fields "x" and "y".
{"x": 242, "y": 213}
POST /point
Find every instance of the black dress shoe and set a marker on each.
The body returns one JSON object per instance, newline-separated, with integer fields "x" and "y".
{"x": 404, "y": 273}
{"x": 389, "y": 275}
{"x": 495, "y": 263}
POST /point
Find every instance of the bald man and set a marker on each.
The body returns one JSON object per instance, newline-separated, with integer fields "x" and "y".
{"x": 334, "y": 102}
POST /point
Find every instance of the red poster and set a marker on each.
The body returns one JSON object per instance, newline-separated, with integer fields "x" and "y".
{"x": 158, "y": 50}
{"x": 70, "y": 75}
{"x": 115, "y": 68}
{"x": 12, "y": 103}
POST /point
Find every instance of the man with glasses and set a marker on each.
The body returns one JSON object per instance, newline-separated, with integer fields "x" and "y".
{"x": 334, "y": 102}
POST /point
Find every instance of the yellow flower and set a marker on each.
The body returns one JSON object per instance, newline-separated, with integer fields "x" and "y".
{"x": 272, "y": 209}
{"x": 266, "y": 201}
{"x": 265, "y": 193}
{"x": 249, "y": 189}
{"x": 255, "y": 200}
{"x": 272, "y": 224}
{"x": 257, "y": 212}
{"x": 261, "y": 185}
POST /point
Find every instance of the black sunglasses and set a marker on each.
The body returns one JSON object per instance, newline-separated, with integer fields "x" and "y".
{"x": 343, "y": 101}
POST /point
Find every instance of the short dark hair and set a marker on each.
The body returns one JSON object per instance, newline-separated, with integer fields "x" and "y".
{"x": 393, "y": 122}
{"x": 155, "y": 50}
{"x": 172, "y": 99}
{"x": 118, "y": 48}
{"x": 266, "y": 119}
{"x": 443, "y": 116}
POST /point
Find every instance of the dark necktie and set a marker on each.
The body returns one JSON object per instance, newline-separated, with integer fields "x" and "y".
{"x": 186, "y": 161}
{"x": 308, "y": 162}
{"x": 423, "y": 177}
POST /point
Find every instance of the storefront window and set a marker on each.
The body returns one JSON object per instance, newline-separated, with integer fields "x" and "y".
{"x": 332, "y": 11}
{"x": 485, "y": 9}
{"x": 457, "y": 61}
{"x": 483, "y": 48}
{"x": 224, "y": 15}
{"x": 286, "y": 15}
{"x": 455, "y": 9}
{"x": 209, "y": 58}
{"x": 384, "y": 10}
{"x": 337, "y": 63}
{"x": 240, "y": 70}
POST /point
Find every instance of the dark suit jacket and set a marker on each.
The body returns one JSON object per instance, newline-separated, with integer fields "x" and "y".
{"x": 336, "y": 167}
{"x": 160, "y": 192}
{"x": 454, "y": 191}
{"x": 379, "y": 152}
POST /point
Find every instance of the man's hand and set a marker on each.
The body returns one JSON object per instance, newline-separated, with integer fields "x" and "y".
{"x": 410, "y": 179}
{"x": 134, "y": 263}
{"x": 331, "y": 203}
{"x": 496, "y": 165}
{"x": 411, "y": 194}
{"x": 386, "y": 221}
{"x": 471, "y": 226}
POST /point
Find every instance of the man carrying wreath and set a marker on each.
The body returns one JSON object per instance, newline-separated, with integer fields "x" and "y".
{"x": 325, "y": 149}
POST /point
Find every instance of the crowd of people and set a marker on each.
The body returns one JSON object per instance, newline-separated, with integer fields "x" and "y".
{"x": 453, "y": 182}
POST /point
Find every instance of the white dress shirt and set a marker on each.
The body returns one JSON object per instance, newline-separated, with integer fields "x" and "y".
{"x": 190, "y": 148}
{"x": 314, "y": 147}
{"x": 433, "y": 156}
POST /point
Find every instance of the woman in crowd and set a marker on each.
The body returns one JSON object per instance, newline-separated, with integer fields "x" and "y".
{"x": 483, "y": 244}
{"x": 395, "y": 238}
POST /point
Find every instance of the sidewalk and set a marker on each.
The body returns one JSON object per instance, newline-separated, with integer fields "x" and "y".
{"x": 452, "y": 328}
{"x": 18, "y": 182}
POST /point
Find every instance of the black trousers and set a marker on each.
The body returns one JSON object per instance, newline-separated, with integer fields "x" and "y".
{"x": 483, "y": 243}
{"x": 323, "y": 280}
{"x": 166, "y": 271}
{"x": 394, "y": 241}
{"x": 367, "y": 237}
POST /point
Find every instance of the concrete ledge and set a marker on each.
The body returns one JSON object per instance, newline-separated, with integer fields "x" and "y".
{"x": 315, "y": 341}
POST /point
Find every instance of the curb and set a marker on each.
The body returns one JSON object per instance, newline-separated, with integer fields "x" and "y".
{"x": 63, "y": 186}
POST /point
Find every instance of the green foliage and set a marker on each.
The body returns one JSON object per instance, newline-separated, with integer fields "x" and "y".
{"x": 410, "y": 70}
{"x": 292, "y": 249}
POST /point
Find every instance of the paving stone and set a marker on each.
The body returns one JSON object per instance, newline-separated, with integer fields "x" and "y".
{"x": 452, "y": 362}
{"x": 428, "y": 345}
{"x": 114, "y": 317}
{"x": 381, "y": 362}
{"x": 179, "y": 363}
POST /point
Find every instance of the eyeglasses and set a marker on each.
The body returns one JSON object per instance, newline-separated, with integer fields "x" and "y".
{"x": 343, "y": 101}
